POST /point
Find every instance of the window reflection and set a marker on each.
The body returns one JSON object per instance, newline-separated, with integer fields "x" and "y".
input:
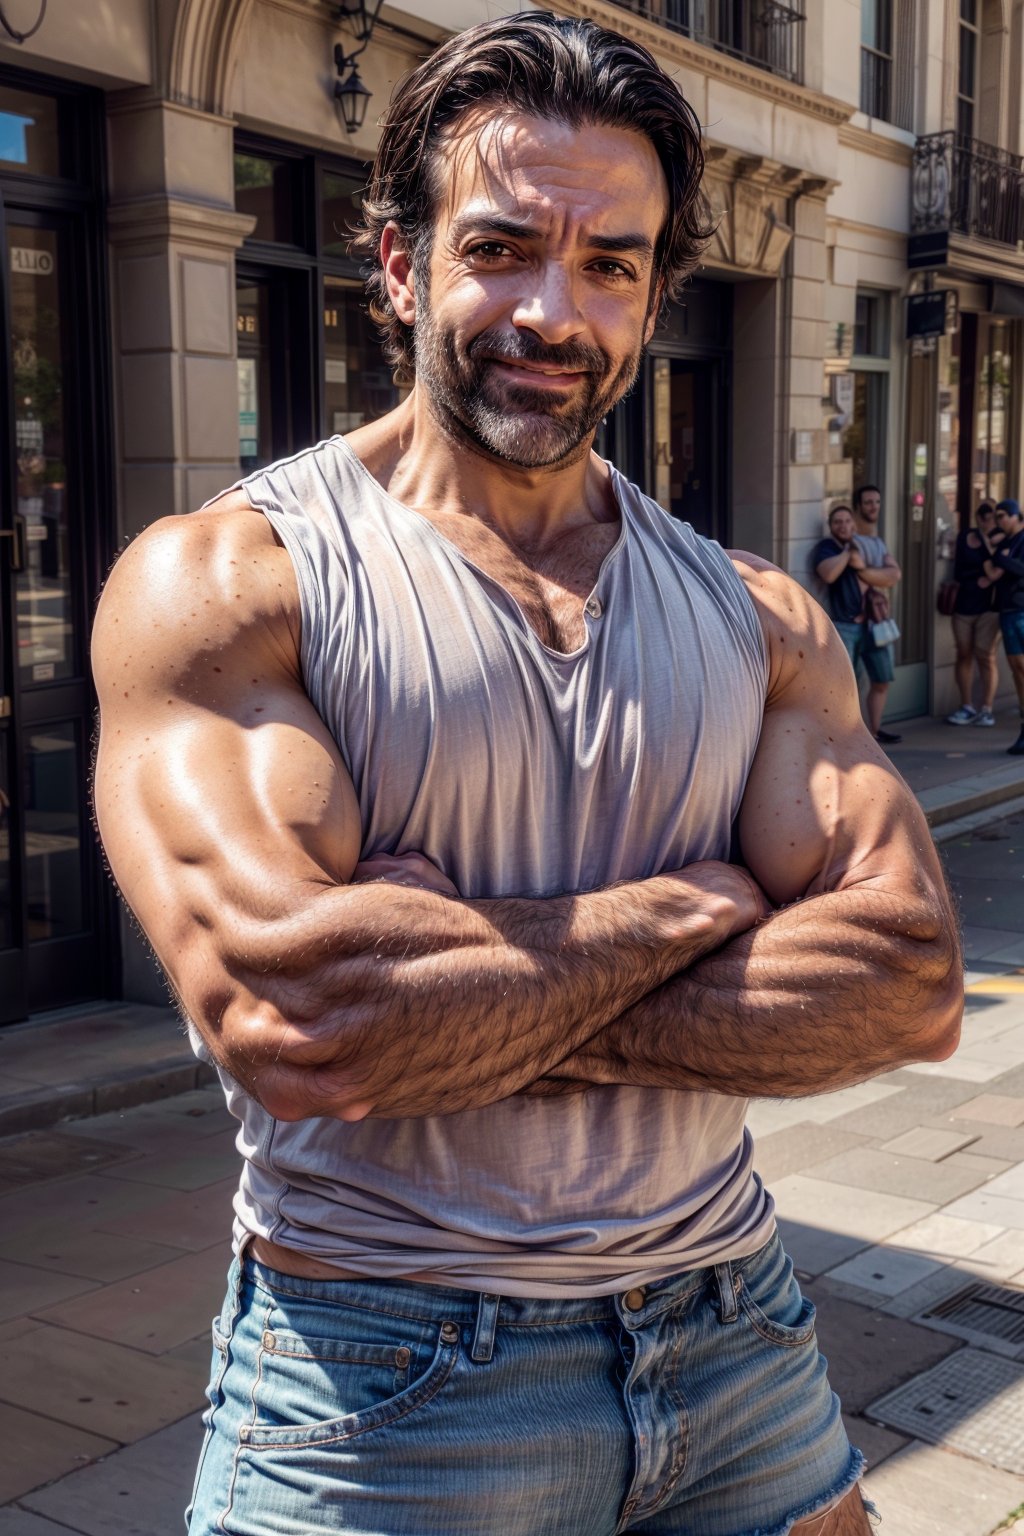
{"x": 43, "y": 588}
{"x": 28, "y": 132}
{"x": 357, "y": 380}
{"x": 53, "y": 832}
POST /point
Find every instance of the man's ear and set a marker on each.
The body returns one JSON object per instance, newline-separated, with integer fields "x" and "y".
{"x": 654, "y": 311}
{"x": 398, "y": 275}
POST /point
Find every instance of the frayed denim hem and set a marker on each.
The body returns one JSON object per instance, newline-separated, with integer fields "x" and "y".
{"x": 823, "y": 1506}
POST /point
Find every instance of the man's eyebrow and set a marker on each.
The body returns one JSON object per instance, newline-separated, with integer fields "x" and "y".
{"x": 516, "y": 229}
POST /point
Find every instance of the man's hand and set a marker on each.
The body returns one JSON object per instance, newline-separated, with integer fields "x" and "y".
{"x": 856, "y": 561}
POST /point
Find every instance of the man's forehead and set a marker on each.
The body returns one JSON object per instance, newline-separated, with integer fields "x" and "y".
{"x": 514, "y": 164}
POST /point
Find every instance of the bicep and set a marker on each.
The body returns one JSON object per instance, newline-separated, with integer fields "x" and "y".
{"x": 220, "y": 795}
{"x": 822, "y": 808}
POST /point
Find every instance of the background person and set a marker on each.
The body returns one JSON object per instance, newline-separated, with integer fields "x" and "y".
{"x": 839, "y": 562}
{"x": 1006, "y": 569}
{"x": 975, "y": 620}
{"x": 880, "y": 570}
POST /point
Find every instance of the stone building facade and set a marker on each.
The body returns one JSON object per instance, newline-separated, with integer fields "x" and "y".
{"x": 178, "y": 306}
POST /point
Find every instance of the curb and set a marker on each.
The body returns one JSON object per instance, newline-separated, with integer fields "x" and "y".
{"x": 38, "y": 1108}
{"x": 938, "y": 811}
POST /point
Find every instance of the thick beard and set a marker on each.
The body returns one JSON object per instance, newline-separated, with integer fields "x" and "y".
{"x": 512, "y": 422}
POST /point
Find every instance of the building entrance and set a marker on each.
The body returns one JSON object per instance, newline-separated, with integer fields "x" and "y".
{"x": 55, "y": 908}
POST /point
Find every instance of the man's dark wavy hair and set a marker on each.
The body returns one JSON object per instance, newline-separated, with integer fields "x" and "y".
{"x": 567, "y": 70}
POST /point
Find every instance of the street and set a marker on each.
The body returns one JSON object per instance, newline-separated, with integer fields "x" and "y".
{"x": 894, "y": 1197}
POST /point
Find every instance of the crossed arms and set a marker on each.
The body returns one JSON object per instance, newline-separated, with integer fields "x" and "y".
{"x": 233, "y": 831}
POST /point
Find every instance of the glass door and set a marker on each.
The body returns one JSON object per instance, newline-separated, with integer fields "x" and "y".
{"x": 50, "y": 891}
{"x": 686, "y": 447}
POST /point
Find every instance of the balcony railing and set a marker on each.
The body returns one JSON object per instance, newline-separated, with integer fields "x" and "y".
{"x": 964, "y": 186}
{"x": 760, "y": 32}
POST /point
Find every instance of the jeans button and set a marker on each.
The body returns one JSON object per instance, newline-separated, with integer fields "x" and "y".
{"x": 449, "y": 1333}
{"x": 634, "y": 1300}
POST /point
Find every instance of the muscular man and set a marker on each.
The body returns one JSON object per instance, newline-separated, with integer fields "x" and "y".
{"x": 421, "y": 758}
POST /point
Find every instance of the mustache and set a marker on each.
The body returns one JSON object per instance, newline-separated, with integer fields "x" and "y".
{"x": 521, "y": 347}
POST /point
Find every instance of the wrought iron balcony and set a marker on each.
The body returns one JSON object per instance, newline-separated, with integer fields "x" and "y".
{"x": 966, "y": 187}
{"x": 760, "y": 32}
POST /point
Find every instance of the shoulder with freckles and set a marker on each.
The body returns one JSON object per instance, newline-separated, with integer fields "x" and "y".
{"x": 800, "y": 636}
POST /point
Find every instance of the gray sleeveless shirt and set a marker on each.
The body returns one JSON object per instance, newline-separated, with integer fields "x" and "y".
{"x": 519, "y": 771}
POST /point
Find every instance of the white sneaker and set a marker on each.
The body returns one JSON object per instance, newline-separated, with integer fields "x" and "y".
{"x": 984, "y": 717}
{"x": 965, "y": 715}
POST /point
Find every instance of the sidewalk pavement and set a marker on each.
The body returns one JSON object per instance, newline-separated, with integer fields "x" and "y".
{"x": 901, "y": 1201}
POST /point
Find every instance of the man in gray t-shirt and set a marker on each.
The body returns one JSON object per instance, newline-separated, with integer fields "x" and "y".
{"x": 880, "y": 570}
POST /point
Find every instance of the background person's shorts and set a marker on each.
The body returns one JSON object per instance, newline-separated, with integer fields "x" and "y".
{"x": 976, "y": 632}
{"x": 1012, "y": 626}
{"x": 876, "y": 660}
{"x": 693, "y": 1405}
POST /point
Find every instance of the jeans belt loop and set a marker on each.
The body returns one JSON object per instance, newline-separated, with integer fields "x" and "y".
{"x": 486, "y": 1323}
{"x": 727, "y": 1292}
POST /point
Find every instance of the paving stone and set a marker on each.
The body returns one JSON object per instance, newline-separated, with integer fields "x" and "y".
{"x": 153, "y": 1311}
{"x": 192, "y": 1219}
{"x": 121, "y": 1394}
{"x": 1011, "y": 1084}
{"x": 870, "y": 1169}
{"x": 885, "y": 1270}
{"x": 36, "y": 1449}
{"x": 980, "y": 1205}
{"x": 926, "y": 1491}
{"x": 1010, "y": 1183}
{"x": 197, "y": 1352}
{"x": 920, "y": 1100}
{"x": 214, "y": 1158}
{"x": 870, "y": 1352}
{"x": 979, "y": 942}
{"x": 43, "y": 1155}
{"x": 19, "y": 1522}
{"x": 93, "y": 1255}
{"x": 821, "y": 1227}
{"x": 86, "y": 1201}
{"x": 945, "y": 1237}
{"x": 973, "y": 1162}
{"x": 22, "y": 1288}
{"x": 963, "y": 1067}
{"x": 801, "y": 1146}
{"x": 874, "y": 1442}
{"x": 1000, "y": 1259}
{"x": 928, "y": 1144}
{"x": 999, "y": 1141}
{"x": 139, "y": 1491}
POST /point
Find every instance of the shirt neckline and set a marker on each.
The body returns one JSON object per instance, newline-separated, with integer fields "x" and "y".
{"x": 620, "y": 501}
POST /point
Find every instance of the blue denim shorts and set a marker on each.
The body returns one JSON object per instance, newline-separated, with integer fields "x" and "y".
{"x": 875, "y": 659}
{"x": 696, "y": 1405}
{"x": 1012, "y": 626}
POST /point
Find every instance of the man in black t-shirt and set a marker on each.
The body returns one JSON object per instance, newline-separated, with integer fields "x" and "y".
{"x": 1006, "y": 568}
{"x": 837, "y": 560}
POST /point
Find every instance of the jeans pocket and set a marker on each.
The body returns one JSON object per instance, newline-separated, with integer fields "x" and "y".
{"x": 770, "y": 1298}
{"x": 312, "y": 1390}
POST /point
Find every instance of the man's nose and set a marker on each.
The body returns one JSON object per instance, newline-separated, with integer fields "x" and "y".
{"x": 550, "y": 307}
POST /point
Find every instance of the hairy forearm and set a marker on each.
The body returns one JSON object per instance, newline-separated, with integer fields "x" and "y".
{"x": 825, "y": 993}
{"x": 383, "y": 1000}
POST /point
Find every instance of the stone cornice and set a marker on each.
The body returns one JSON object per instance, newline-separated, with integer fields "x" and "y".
{"x": 703, "y": 60}
{"x": 977, "y": 259}
{"x": 867, "y": 143}
{"x": 164, "y": 220}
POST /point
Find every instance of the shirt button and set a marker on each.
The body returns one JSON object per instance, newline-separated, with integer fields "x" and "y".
{"x": 593, "y": 607}
{"x": 634, "y": 1300}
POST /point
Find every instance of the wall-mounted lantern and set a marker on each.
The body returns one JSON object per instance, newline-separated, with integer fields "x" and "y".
{"x": 351, "y": 96}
